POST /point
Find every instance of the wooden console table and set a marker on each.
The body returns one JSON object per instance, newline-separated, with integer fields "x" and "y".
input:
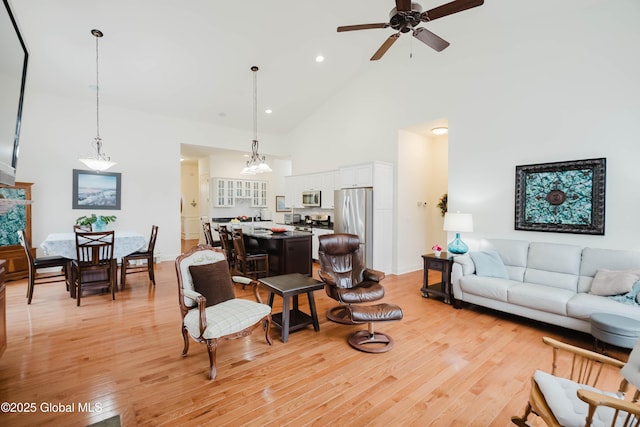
{"x": 442, "y": 264}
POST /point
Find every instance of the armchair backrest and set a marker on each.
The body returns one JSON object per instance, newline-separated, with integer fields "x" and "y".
{"x": 341, "y": 259}
{"x": 198, "y": 255}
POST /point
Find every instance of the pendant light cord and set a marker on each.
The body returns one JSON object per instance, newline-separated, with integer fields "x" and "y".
{"x": 255, "y": 105}
{"x": 98, "y": 35}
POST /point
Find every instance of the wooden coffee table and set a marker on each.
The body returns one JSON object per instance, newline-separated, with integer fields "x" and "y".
{"x": 292, "y": 285}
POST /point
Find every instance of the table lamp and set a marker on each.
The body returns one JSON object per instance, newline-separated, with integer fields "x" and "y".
{"x": 458, "y": 222}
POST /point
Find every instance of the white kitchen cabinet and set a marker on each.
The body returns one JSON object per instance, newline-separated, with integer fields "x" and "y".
{"x": 327, "y": 188}
{"x": 243, "y": 189}
{"x": 315, "y": 243}
{"x": 356, "y": 176}
{"x": 223, "y": 192}
{"x": 293, "y": 191}
{"x": 259, "y": 194}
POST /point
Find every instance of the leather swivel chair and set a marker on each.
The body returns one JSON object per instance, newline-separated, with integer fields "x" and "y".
{"x": 349, "y": 282}
{"x": 346, "y": 279}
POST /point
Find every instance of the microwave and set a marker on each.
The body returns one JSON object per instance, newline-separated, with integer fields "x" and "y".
{"x": 311, "y": 198}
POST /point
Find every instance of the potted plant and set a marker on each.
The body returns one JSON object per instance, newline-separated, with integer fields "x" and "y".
{"x": 97, "y": 222}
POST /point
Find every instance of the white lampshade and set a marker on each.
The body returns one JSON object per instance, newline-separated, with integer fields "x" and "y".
{"x": 458, "y": 222}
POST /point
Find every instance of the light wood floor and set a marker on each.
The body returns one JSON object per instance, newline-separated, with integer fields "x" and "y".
{"x": 468, "y": 367}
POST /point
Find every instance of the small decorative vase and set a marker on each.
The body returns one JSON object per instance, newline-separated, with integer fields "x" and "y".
{"x": 437, "y": 253}
{"x": 99, "y": 225}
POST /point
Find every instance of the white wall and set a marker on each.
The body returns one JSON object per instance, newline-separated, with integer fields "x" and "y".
{"x": 57, "y": 131}
{"x": 515, "y": 94}
{"x": 547, "y": 88}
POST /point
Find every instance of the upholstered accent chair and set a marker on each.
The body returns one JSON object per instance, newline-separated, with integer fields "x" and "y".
{"x": 568, "y": 396}
{"x": 210, "y": 311}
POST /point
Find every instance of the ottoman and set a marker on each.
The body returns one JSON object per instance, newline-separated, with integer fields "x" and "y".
{"x": 615, "y": 330}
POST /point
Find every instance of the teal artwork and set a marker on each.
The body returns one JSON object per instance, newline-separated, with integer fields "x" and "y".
{"x": 559, "y": 197}
{"x": 13, "y": 220}
{"x": 565, "y": 197}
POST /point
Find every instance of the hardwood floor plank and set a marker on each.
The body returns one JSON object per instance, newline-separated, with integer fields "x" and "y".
{"x": 468, "y": 367}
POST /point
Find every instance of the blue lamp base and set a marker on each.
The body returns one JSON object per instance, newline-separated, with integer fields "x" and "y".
{"x": 457, "y": 246}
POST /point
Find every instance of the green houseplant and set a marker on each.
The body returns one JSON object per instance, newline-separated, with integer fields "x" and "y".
{"x": 97, "y": 222}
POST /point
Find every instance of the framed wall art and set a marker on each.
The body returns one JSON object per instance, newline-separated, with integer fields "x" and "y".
{"x": 96, "y": 190}
{"x": 280, "y": 205}
{"x": 561, "y": 197}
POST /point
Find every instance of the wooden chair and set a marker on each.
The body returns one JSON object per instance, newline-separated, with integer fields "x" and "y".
{"x": 208, "y": 235}
{"x": 227, "y": 245}
{"x": 129, "y": 264}
{"x": 210, "y": 311}
{"x": 40, "y": 263}
{"x": 573, "y": 399}
{"x": 94, "y": 265}
{"x": 254, "y": 264}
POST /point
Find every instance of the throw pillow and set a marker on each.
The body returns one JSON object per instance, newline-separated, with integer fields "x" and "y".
{"x": 489, "y": 264}
{"x": 607, "y": 282}
{"x": 212, "y": 281}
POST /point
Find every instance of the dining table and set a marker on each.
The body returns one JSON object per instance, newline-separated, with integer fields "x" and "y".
{"x": 64, "y": 244}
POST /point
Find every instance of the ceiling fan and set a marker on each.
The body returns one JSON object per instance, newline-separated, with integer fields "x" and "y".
{"x": 406, "y": 16}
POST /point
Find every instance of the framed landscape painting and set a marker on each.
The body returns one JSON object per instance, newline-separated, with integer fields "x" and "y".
{"x": 280, "y": 207}
{"x": 562, "y": 197}
{"x": 96, "y": 190}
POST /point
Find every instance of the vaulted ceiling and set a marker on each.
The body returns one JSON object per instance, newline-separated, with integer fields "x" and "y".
{"x": 192, "y": 58}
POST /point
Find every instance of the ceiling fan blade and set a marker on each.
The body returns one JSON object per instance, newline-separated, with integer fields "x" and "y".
{"x": 403, "y": 5}
{"x": 430, "y": 39}
{"x": 385, "y": 46}
{"x": 362, "y": 27}
{"x": 449, "y": 9}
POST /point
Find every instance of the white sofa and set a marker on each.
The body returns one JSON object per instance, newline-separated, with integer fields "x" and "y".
{"x": 547, "y": 282}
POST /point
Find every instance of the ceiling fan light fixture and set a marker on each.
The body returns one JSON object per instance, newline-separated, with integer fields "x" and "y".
{"x": 257, "y": 163}
{"x": 99, "y": 161}
{"x": 440, "y": 130}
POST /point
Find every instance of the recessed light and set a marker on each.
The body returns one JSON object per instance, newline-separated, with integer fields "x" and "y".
{"x": 268, "y": 111}
{"x": 319, "y": 58}
{"x": 441, "y": 130}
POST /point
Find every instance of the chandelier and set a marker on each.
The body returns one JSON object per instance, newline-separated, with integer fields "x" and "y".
{"x": 257, "y": 163}
{"x": 99, "y": 161}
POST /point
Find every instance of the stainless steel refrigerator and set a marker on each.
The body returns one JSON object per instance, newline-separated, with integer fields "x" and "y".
{"x": 353, "y": 213}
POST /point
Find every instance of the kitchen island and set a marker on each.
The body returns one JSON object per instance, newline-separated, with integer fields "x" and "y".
{"x": 289, "y": 252}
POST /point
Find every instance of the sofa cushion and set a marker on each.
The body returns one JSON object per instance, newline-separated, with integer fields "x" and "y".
{"x": 488, "y": 264}
{"x": 513, "y": 253}
{"x": 554, "y": 265}
{"x": 488, "y": 287}
{"x": 540, "y": 297}
{"x": 583, "y": 305}
{"x": 607, "y": 282}
{"x": 594, "y": 259}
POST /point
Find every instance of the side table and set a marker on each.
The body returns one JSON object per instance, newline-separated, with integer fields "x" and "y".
{"x": 442, "y": 264}
{"x": 292, "y": 285}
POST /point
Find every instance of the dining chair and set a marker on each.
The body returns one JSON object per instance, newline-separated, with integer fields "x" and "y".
{"x": 226, "y": 241}
{"x": 208, "y": 235}
{"x": 36, "y": 263}
{"x": 130, "y": 264}
{"x": 253, "y": 264}
{"x": 94, "y": 265}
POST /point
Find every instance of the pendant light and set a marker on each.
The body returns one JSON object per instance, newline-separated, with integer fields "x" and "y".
{"x": 100, "y": 161}
{"x": 257, "y": 163}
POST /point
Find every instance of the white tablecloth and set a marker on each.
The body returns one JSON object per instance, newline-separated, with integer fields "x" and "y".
{"x": 64, "y": 244}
